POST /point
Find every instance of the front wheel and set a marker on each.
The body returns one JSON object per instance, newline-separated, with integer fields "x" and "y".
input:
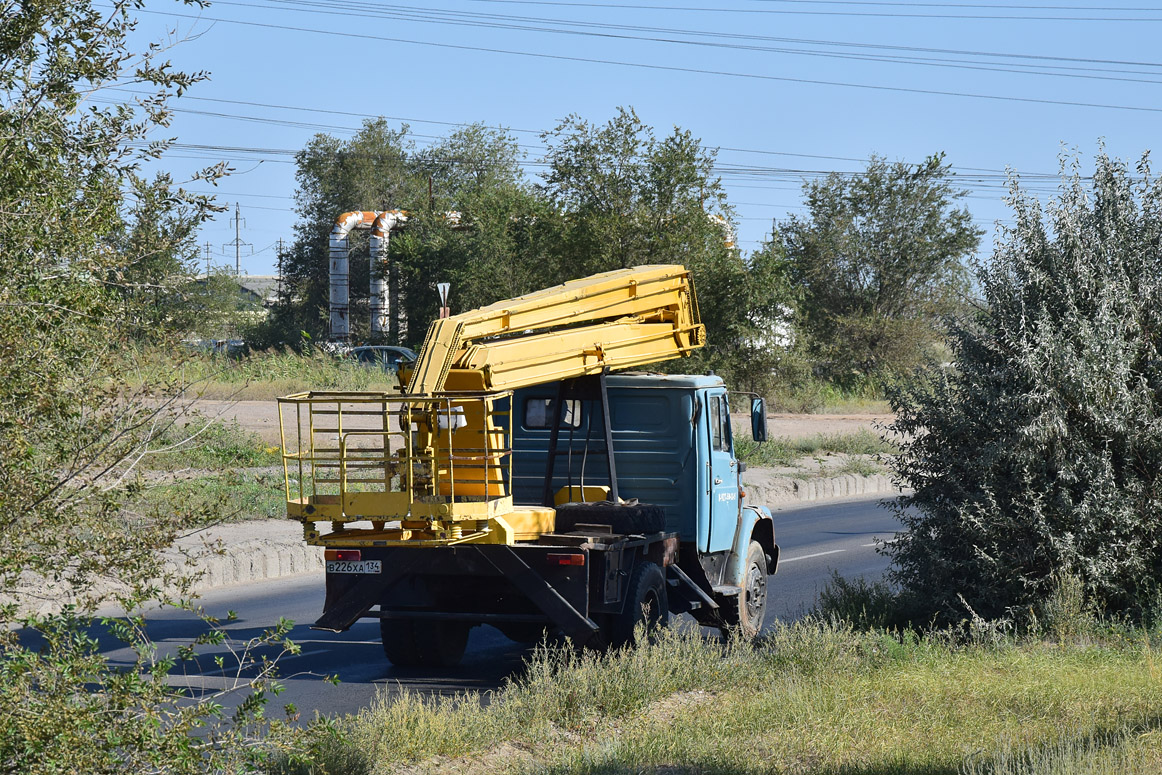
{"x": 747, "y": 610}
{"x": 423, "y": 643}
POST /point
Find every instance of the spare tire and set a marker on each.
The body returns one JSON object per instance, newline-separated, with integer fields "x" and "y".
{"x": 625, "y": 518}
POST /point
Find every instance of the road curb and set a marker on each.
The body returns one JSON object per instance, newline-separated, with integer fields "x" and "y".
{"x": 215, "y": 557}
{"x": 781, "y": 491}
{"x": 245, "y": 552}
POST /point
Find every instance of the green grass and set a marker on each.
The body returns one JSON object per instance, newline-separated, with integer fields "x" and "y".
{"x": 224, "y": 496}
{"x": 204, "y": 443}
{"x": 259, "y": 376}
{"x": 782, "y": 450}
{"x": 811, "y": 697}
{"x": 860, "y": 466}
{"x": 213, "y": 471}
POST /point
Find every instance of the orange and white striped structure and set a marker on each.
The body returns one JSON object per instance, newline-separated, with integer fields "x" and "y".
{"x": 381, "y": 223}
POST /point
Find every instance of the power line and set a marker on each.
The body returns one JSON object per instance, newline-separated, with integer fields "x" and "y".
{"x": 714, "y": 9}
{"x": 585, "y": 28}
{"x": 893, "y": 15}
{"x": 267, "y": 119}
{"x": 963, "y": 5}
{"x": 991, "y": 178}
{"x": 674, "y": 68}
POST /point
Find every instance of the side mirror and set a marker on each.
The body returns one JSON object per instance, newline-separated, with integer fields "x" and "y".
{"x": 758, "y": 419}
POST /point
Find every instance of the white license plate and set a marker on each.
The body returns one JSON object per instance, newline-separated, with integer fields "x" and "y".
{"x": 358, "y": 566}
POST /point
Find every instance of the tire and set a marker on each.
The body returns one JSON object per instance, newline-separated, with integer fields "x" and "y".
{"x": 423, "y": 642}
{"x": 624, "y": 518}
{"x": 746, "y": 610}
{"x": 646, "y": 600}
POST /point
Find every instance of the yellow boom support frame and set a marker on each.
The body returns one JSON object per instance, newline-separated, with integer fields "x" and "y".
{"x": 433, "y": 465}
{"x": 630, "y": 317}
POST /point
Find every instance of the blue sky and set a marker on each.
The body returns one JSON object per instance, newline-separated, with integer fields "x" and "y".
{"x": 787, "y": 89}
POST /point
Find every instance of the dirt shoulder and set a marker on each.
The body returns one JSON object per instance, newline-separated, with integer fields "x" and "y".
{"x": 260, "y": 417}
{"x": 800, "y": 426}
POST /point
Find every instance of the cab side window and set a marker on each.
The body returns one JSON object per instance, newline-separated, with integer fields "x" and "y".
{"x": 719, "y": 424}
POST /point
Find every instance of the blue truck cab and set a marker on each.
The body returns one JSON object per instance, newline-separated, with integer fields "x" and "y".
{"x": 673, "y": 447}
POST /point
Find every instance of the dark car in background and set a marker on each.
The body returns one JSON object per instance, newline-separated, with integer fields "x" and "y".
{"x": 384, "y": 357}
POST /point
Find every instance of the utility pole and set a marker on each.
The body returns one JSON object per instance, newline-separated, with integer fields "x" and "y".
{"x": 237, "y": 242}
{"x": 207, "y": 250}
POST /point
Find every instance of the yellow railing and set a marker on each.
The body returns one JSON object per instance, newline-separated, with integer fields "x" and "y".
{"x": 377, "y": 468}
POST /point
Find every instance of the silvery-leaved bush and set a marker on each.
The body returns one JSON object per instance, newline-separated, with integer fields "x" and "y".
{"x": 1037, "y": 453}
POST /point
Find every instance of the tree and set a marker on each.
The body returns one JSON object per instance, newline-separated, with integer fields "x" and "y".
{"x": 613, "y": 196}
{"x": 878, "y": 264}
{"x": 156, "y": 243}
{"x": 625, "y": 199}
{"x": 1038, "y": 454}
{"x": 630, "y": 199}
{"x": 65, "y": 174}
{"x": 474, "y": 172}
{"x": 493, "y": 250}
{"x": 84, "y": 240}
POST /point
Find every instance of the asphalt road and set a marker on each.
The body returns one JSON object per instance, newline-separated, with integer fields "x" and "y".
{"x": 814, "y": 540}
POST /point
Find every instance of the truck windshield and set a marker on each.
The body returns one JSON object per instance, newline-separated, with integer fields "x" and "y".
{"x": 539, "y": 413}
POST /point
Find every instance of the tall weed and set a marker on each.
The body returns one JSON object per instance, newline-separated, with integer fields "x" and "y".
{"x": 1067, "y": 614}
{"x": 860, "y": 603}
{"x": 206, "y": 443}
{"x": 258, "y": 376}
{"x": 1090, "y": 751}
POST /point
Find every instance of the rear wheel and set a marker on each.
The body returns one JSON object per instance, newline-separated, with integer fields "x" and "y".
{"x": 646, "y": 602}
{"x": 747, "y": 610}
{"x": 423, "y": 643}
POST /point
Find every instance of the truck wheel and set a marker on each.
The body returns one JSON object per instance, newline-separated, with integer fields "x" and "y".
{"x": 639, "y": 518}
{"x": 645, "y": 601}
{"x": 747, "y": 610}
{"x": 423, "y": 643}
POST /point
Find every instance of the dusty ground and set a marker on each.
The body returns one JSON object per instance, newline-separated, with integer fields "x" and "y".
{"x": 798, "y": 426}
{"x": 258, "y": 416}
{"x": 262, "y": 418}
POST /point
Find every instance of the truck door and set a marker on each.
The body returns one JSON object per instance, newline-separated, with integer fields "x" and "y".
{"x": 722, "y": 474}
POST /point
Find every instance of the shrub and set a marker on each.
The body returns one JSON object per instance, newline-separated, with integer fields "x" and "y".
{"x": 1039, "y": 452}
{"x": 861, "y": 603}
